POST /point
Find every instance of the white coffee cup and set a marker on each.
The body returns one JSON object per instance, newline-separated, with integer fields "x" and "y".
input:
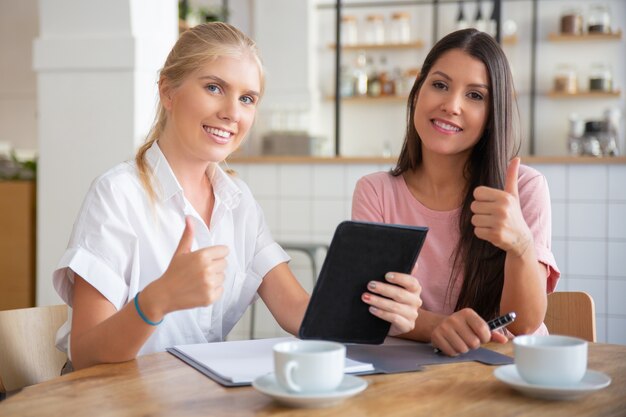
{"x": 305, "y": 366}
{"x": 550, "y": 360}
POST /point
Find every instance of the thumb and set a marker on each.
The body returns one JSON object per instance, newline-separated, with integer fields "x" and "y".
{"x": 186, "y": 240}
{"x": 510, "y": 183}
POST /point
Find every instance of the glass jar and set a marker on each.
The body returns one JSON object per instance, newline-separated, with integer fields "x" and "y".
{"x": 613, "y": 119}
{"x": 599, "y": 20}
{"x": 360, "y": 75}
{"x": 461, "y": 21}
{"x": 600, "y": 78}
{"x": 404, "y": 84}
{"x": 565, "y": 80}
{"x": 592, "y": 138}
{"x": 572, "y": 22}
{"x": 400, "y": 28}
{"x": 575, "y": 135}
{"x": 349, "y": 30}
{"x": 374, "y": 29}
{"x": 346, "y": 82}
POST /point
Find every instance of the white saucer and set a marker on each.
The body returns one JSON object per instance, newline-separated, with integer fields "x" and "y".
{"x": 350, "y": 385}
{"x": 592, "y": 381}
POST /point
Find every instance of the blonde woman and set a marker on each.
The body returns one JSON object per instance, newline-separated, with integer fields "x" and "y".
{"x": 170, "y": 249}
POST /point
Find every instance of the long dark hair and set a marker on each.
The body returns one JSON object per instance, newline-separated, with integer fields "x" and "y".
{"x": 481, "y": 262}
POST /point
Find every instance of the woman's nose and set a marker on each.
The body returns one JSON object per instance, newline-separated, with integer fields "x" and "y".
{"x": 230, "y": 110}
{"x": 452, "y": 104}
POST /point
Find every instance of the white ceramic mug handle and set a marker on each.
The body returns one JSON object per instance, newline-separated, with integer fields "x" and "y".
{"x": 289, "y": 368}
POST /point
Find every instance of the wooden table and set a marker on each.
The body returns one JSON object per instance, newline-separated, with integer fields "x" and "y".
{"x": 161, "y": 385}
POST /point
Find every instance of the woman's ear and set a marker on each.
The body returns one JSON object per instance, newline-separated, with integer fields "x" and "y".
{"x": 165, "y": 93}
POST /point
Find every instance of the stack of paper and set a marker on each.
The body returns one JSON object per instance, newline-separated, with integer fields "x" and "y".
{"x": 240, "y": 362}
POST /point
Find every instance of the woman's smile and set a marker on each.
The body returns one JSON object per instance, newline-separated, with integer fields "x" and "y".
{"x": 445, "y": 127}
{"x": 220, "y": 136}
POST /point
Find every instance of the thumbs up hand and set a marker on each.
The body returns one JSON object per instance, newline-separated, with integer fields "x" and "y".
{"x": 498, "y": 216}
{"x": 193, "y": 279}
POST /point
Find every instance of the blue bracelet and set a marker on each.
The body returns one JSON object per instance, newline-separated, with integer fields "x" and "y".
{"x": 143, "y": 316}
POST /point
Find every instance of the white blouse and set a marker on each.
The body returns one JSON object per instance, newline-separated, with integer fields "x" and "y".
{"x": 122, "y": 241}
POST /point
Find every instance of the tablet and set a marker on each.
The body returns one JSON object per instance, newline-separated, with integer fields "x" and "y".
{"x": 359, "y": 253}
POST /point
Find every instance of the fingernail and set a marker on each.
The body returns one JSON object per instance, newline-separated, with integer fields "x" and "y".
{"x": 373, "y": 309}
{"x": 390, "y": 276}
{"x": 371, "y": 285}
{"x": 366, "y": 297}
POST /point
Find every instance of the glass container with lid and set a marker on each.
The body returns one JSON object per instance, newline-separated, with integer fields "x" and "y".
{"x": 575, "y": 135}
{"x": 599, "y": 20}
{"x": 572, "y": 21}
{"x": 375, "y": 29}
{"x": 594, "y": 133}
{"x": 349, "y": 30}
{"x": 400, "y": 28}
{"x": 565, "y": 79}
{"x": 600, "y": 78}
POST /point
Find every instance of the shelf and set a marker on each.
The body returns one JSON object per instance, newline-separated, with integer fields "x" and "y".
{"x": 411, "y": 45}
{"x": 558, "y": 37}
{"x": 528, "y": 160}
{"x": 369, "y": 99}
{"x": 586, "y": 94}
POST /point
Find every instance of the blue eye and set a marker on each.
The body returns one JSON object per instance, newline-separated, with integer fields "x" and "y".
{"x": 247, "y": 99}
{"x": 213, "y": 88}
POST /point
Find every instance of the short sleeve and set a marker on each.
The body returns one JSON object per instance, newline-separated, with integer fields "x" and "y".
{"x": 102, "y": 248}
{"x": 366, "y": 203}
{"x": 535, "y": 203}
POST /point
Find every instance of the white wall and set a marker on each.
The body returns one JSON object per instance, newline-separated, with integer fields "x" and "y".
{"x": 284, "y": 32}
{"x": 96, "y": 66}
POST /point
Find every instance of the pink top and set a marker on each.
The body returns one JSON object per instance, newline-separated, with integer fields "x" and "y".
{"x": 381, "y": 197}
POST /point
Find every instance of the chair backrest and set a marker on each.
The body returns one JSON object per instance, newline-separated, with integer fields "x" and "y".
{"x": 572, "y": 314}
{"x": 27, "y": 351}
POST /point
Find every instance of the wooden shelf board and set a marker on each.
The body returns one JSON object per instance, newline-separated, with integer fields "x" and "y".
{"x": 529, "y": 160}
{"x": 586, "y": 94}
{"x": 411, "y": 45}
{"x": 558, "y": 37}
{"x": 369, "y": 99}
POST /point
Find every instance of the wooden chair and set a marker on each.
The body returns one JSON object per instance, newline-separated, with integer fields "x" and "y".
{"x": 571, "y": 314}
{"x": 27, "y": 351}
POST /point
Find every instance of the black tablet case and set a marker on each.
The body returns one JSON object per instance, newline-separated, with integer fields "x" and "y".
{"x": 359, "y": 252}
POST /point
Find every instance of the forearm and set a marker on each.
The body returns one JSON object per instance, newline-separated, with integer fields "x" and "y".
{"x": 102, "y": 335}
{"x": 117, "y": 339}
{"x": 291, "y": 322}
{"x": 284, "y": 297}
{"x": 524, "y": 291}
{"x": 425, "y": 323}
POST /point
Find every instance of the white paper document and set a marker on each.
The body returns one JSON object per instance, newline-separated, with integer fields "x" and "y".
{"x": 244, "y": 360}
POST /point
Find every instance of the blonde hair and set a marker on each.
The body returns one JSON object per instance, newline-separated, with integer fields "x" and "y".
{"x": 194, "y": 48}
